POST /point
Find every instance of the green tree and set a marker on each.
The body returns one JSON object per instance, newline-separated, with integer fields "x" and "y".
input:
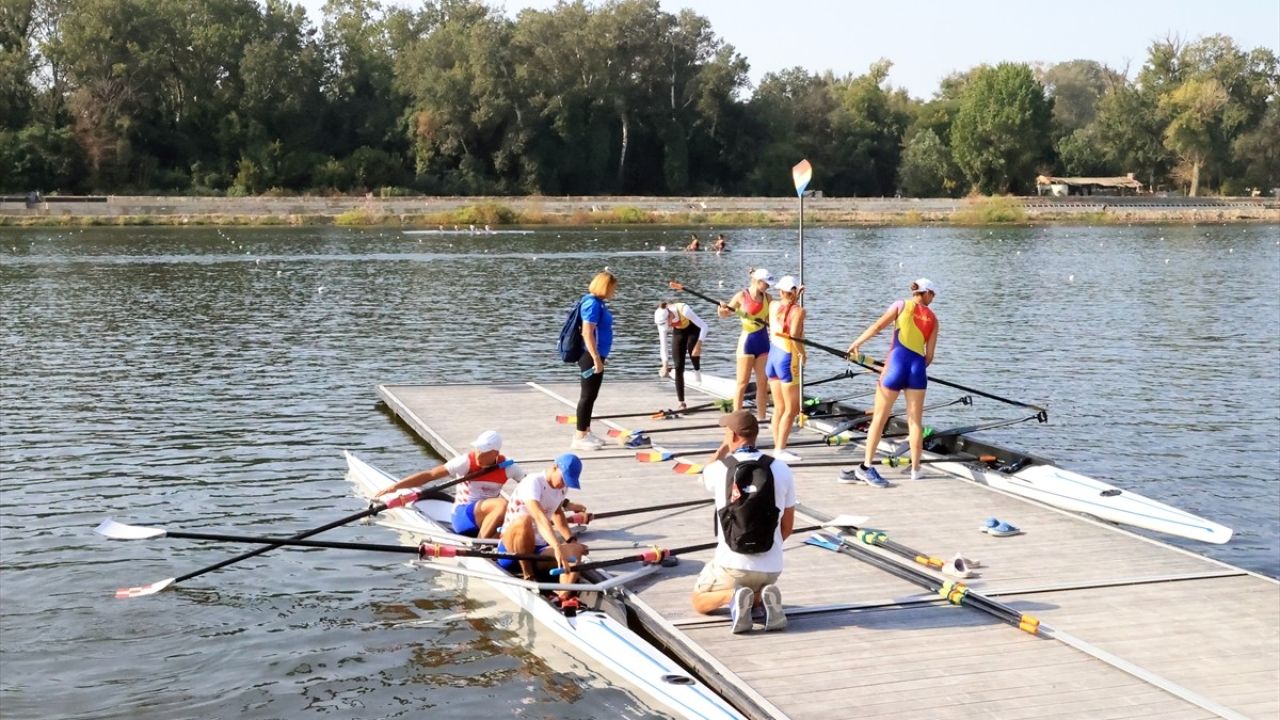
{"x": 927, "y": 169}
{"x": 1076, "y": 86}
{"x": 1000, "y": 133}
{"x": 1127, "y": 131}
{"x": 1193, "y": 110}
{"x": 867, "y": 126}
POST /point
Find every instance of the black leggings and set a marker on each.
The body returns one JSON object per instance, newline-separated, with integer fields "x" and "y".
{"x": 683, "y": 341}
{"x": 590, "y": 390}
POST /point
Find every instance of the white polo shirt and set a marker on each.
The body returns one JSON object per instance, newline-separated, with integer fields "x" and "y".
{"x": 784, "y": 493}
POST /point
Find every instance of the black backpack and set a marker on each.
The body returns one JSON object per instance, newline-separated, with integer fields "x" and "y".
{"x": 749, "y": 520}
{"x": 571, "y": 345}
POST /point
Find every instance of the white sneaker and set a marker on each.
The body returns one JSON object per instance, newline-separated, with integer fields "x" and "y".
{"x": 917, "y": 474}
{"x": 787, "y": 456}
{"x": 774, "y": 617}
{"x": 697, "y": 377}
{"x": 740, "y": 610}
{"x": 586, "y": 442}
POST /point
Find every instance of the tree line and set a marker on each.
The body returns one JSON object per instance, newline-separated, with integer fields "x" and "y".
{"x": 455, "y": 98}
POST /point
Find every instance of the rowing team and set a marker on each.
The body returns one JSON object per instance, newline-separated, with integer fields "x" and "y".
{"x": 772, "y": 347}
{"x": 755, "y": 512}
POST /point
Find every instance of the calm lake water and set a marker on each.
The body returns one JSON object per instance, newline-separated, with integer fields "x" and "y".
{"x": 208, "y": 379}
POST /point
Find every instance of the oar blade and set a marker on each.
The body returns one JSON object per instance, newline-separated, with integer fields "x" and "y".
{"x": 566, "y": 419}
{"x": 120, "y": 531}
{"x": 822, "y": 541}
{"x": 652, "y": 456}
{"x": 685, "y": 468}
{"x": 141, "y": 590}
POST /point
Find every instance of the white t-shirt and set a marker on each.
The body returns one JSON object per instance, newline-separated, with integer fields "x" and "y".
{"x": 784, "y": 493}
{"x": 534, "y": 488}
{"x": 472, "y": 490}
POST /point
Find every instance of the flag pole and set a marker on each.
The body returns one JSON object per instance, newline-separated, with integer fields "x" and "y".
{"x": 801, "y": 174}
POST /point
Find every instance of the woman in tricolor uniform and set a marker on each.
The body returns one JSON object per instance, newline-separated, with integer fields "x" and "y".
{"x": 752, "y": 305}
{"x": 786, "y": 356}
{"x": 478, "y": 505}
{"x": 915, "y": 336}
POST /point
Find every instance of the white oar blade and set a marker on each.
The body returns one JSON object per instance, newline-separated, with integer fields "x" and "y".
{"x": 152, "y": 589}
{"x": 846, "y": 521}
{"x": 120, "y": 531}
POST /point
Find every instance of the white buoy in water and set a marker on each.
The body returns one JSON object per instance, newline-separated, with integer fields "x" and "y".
{"x": 1166, "y": 261}
{"x": 1071, "y": 278}
{"x": 662, "y": 248}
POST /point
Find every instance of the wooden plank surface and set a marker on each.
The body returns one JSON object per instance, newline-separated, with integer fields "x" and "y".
{"x": 900, "y": 653}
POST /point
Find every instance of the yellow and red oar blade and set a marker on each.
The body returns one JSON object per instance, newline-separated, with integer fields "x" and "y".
{"x": 685, "y": 468}
{"x": 652, "y": 456}
{"x": 619, "y": 433}
{"x": 677, "y": 286}
{"x": 566, "y": 419}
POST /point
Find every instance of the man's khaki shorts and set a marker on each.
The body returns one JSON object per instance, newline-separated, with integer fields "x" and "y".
{"x": 713, "y": 577}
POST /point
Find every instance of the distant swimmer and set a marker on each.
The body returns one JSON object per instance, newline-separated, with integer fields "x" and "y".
{"x": 721, "y": 245}
{"x": 694, "y": 243}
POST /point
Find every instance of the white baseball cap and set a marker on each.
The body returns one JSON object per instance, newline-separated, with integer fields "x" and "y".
{"x": 762, "y": 274}
{"x": 486, "y": 441}
{"x": 787, "y": 283}
{"x": 924, "y": 285}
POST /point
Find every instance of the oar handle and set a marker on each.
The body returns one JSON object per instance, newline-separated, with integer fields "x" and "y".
{"x": 681, "y": 287}
{"x": 656, "y": 554}
{"x": 653, "y": 508}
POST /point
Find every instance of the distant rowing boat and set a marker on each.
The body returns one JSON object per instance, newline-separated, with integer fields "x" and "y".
{"x": 1032, "y": 477}
{"x": 682, "y": 251}
{"x": 595, "y": 630}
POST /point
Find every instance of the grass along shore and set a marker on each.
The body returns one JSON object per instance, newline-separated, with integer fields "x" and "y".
{"x": 434, "y": 212}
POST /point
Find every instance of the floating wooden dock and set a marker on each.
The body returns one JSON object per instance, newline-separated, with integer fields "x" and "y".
{"x": 1149, "y": 630}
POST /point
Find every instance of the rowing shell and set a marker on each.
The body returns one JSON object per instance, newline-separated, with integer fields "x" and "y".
{"x": 1041, "y": 480}
{"x": 596, "y": 633}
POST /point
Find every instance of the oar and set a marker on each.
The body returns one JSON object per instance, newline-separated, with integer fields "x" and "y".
{"x": 649, "y": 508}
{"x": 857, "y": 417}
{"x": 871, "y": 363}
{"x": 624, "y": 435}
{"x": 719, "y": 404}
{"x": 655, "y": 554}
{"x": 656, "y": 456}
{"x": 397, "y": 501}
{"x": 895, "y": 461}
{"x": 121, "y": 531}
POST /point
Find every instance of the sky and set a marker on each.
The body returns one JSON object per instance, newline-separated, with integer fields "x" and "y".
{"x": 927, "y": 40}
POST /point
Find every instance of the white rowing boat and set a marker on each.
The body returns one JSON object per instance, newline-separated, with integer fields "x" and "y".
{"x": 595, "y": 630}
{"x": 1038, "y": 479}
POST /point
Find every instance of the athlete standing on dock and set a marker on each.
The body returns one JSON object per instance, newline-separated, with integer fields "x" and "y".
{"x": 753, "y": 346}
{"x": 915, "y": 337}
{"x": 687, "y": 333}
{"x": 786, "y": 355}
{"x": 597, "y": 336}
{"x": 662, "y": 319}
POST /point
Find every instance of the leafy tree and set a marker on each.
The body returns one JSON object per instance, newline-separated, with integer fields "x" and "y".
{"x": 1258, "y": 152}
{"x": 1193, "y": 108}
{"x": 927, "y": 169}
{"x": 1076, "y": 86}
{"x": 867, "y": 126}
{"x": 999, "y": 136}
{"x": 1127, "y": 132}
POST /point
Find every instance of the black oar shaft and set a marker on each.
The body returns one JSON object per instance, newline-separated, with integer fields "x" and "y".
{"x": 652, "y": 508}
{"x": 655, "y": 555}
{"x": 424, "y": 550}
{"x": 371, "y": 510}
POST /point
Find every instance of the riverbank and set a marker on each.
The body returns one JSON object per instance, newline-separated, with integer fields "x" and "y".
{"x": 429, "y": 212}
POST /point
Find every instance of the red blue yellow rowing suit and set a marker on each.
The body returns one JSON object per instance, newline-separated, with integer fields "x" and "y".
{"x": 905, "y": 367}
{"x": 784, "y": 360}
{"x": 754, "y": 340}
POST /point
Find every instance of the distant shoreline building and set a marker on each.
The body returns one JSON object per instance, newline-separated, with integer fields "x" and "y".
{"x": 1064, "y": 186}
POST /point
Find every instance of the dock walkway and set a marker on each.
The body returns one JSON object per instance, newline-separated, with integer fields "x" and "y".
{"x": 1165, "y": 633}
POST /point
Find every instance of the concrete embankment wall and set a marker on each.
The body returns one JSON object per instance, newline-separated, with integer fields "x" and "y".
{"x": 411, "y": 211}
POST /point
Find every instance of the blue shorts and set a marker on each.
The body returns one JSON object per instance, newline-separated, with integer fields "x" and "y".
{"x": 513, "y": 566}
{"x": 754, "y": 343}
{"x": 464, "y": 519}
{"x": 904, "y": 370}
{"x": 782, "y": 365}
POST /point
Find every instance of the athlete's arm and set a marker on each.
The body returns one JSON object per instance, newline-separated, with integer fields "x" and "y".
{"x": 885, "y": 320}
{"x": 931, "y": 344}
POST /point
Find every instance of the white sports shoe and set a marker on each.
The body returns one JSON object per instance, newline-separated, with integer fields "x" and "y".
{"x": 787, "y": 456}
{"x": 740, "y": 610}
{"x": 586, "y": 442}
{"x": 774, "y": 617}
{"x": 697, "y": 377}
{"x": 917, "y": 474}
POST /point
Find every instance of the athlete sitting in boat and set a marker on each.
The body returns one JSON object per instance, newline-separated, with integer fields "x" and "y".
{"x": 535, "y": 521}
{"x": 694, "y": 243}
{"x": 755, "y": 512}
{"x": 721, "y": 244}
{"x": 478, "y": 505}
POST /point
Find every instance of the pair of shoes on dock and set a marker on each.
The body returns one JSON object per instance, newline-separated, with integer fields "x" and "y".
{"x": 740, "y": 609}
{"x": 999, "y": 528}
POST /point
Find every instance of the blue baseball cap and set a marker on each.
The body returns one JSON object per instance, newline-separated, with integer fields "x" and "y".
{"x": 571, "y": 467}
